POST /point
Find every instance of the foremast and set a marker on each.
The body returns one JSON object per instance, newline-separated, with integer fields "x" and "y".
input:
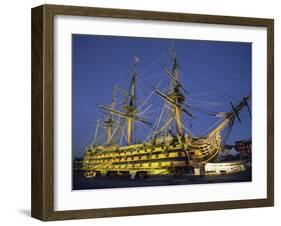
{"x": 175, "y": 97}
{"x": 175, "y": 94}
{"x": 131, "y": 107}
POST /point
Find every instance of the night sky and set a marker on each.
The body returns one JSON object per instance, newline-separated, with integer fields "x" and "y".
{"x": 212, "y": 72}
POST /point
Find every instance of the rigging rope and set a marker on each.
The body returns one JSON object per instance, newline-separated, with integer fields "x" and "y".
{"x": 206, "y": 85}
{"x": 183, "y": 126}
{"x": 153, "y": 63}
{"x": 205, "y": 93}
{"x": 211, "y": 126}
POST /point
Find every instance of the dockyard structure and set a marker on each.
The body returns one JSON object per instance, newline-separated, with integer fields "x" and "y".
{"x": 230, "y": 167}
{"x": 244, "y": 147}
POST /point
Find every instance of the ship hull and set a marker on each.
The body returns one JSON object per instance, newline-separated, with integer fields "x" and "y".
{"x": 142, "y": 160}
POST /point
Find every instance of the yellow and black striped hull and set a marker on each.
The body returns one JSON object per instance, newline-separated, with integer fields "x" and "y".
{"x": 150, "y": 159}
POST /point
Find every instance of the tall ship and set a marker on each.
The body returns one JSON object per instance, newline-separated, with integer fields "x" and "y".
{"x": 169, "y": 148}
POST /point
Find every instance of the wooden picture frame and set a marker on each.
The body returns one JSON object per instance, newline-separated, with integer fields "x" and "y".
{"x": 43, "y": 112}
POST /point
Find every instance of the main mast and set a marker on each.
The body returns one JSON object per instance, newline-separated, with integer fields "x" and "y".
{"x": 110, "y": 122}
{"x": 129, "y": 110}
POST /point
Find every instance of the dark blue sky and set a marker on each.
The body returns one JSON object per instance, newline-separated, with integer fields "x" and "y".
{"x": 212, "y": 71}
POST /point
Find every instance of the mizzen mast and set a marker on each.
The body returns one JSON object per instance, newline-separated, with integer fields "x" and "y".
{"x": 109, "y": 122}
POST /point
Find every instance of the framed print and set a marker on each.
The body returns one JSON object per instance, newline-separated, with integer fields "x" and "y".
{"x": 141, "y": 112}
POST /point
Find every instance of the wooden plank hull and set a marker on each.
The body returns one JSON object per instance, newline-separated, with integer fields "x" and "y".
{"x": 151, "y": 159}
